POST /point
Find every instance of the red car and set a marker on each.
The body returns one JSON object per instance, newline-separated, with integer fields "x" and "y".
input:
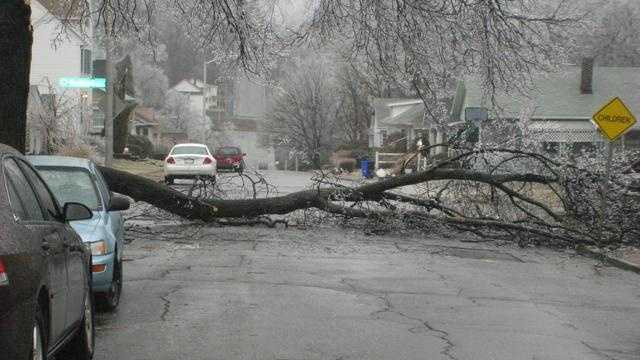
{"x": 230, "y": 158}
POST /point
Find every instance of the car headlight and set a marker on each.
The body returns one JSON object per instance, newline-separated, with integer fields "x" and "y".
{"x": 98, "y": 248}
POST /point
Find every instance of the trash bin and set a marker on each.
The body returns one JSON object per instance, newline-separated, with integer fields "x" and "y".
{"x": 365, "y": 168}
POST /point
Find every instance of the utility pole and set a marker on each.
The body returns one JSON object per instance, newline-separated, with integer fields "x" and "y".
{"x": 204, "y": 101}
{"x": 108, "y": 119}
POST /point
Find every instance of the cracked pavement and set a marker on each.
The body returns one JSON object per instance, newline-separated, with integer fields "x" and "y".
{"x": 327, "y": 293}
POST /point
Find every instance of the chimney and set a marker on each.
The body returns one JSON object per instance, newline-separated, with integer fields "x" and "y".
{"x": 586, "y": 78}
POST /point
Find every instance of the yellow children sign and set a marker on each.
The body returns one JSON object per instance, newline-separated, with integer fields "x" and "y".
{"x": 614, "y": 119}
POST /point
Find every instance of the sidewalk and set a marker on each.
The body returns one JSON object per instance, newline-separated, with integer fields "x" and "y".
{"x": 626, "y": 258}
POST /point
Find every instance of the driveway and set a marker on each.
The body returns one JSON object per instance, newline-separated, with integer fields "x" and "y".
{"x": 330, "y": 293}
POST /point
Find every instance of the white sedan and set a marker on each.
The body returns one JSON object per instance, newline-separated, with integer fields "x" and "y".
{"x": 188, "y": 161}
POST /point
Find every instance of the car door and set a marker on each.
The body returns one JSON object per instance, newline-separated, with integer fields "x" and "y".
{"x": 76, "y": 268}
{"x": 115, "y": 218}
{"x": 52, "y": 245}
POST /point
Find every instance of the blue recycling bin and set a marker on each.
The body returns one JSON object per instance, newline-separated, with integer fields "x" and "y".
{"x": 365, "y": 168}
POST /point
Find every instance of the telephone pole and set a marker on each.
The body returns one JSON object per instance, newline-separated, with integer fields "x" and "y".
{"x": 108, "y": 119}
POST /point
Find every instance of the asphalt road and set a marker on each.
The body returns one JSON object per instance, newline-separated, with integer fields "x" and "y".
{"x": 259, "y": 293}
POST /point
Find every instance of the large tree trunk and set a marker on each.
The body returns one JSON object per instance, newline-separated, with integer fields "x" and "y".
{"x": 163, "y": 197}
{"x": 16, "y": 38}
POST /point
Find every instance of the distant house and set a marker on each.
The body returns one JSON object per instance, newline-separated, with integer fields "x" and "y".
{"x": 146, "y": 122}
{"x": 560, "y": 105}
{"x": 194, "y": 90}
{"x": 56, "y": 55}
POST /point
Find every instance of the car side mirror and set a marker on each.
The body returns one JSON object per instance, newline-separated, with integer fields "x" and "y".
{"x": 118, "y": 203}
{"x": 75, "y": 211}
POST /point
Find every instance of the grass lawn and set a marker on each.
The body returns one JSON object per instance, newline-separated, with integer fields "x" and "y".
{"x": 151, "y": 169}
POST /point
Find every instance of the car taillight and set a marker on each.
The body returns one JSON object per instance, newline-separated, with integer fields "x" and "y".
{"x": 207, "y": 161}
{"x": 171, "y": 160}
{"x": 4, "y": 278}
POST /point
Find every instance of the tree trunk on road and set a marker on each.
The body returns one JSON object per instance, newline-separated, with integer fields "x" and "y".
{"x": 16, "y": 37}
{"x": 163, "y": 197}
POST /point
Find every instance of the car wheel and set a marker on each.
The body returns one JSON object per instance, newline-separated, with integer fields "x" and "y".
{"x": 38, "y": 350}
{"x": 82, "y": 345}
{"x": 168, "y": 180}
{"x": 112, "y": 298}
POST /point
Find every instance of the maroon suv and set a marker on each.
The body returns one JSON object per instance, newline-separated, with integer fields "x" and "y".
{"x": 230, "y": 158}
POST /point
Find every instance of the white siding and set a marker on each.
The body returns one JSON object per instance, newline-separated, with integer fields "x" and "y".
{"x": 57, "y": 55}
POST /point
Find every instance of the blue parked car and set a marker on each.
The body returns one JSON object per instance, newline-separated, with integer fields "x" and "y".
{"x": 79, "y": 180}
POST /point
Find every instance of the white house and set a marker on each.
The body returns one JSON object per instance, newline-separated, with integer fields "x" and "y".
{"x": 394, "y": 115}
{"x": 59, "y": 53}
{"x": 194, "y": 89}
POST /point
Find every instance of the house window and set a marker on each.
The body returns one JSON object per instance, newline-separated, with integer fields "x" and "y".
{"x": 97, "y": 118}
{"x": 383, "y": 136}
{"x": 85, "y": 61}
{"x": 48, "y": 101}
{"x": 145, "y": 131}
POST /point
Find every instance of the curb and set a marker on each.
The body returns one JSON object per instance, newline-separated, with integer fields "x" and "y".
{"x": 599, "y": 255}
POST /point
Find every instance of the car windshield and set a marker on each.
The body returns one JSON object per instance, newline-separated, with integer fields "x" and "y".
{"x": 228, "y": 151}
{"x": 189, "y": 150}
{"x": 70, "y": 184}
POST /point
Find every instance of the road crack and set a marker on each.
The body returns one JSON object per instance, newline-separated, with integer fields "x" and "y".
{"x": 167, "y": 303}
{"x": 388, "y": 308}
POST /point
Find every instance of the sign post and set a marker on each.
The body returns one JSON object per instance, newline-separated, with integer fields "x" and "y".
{"x": 613, "y": 120}
{"x": 82, "y": 82}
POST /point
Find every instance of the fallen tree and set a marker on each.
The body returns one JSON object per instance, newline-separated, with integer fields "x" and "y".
{"x": 476, "y": 191}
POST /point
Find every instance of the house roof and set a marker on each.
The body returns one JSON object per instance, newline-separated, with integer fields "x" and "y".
{"x": 557, "y": 96}
{"x": 391, "y": 102}
{"x": 189, "y": 86}
{"x": 146, "y": 116}
{"x": 412, "y": 117}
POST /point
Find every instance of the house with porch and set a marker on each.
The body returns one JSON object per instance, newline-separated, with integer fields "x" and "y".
{"x": 402, "y": 121}
{"x": 559, "y": 106}
{"x": 555, "y": 110}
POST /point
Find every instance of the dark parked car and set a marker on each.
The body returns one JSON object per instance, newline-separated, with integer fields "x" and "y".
{"x": 46, "y": 305}
{"x": 230, "y": 158}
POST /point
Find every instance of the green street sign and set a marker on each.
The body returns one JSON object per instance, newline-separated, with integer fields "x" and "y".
{"x": 82, "y": 82}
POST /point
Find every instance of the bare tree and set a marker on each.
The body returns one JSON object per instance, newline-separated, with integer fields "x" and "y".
{"x": 180, "y": 115}
{"x": 354, "y": 110}
{"x": 304, "y": 111}
{"x": 611, "y": 36}
{"x": 426, "y": 46}
{"x": 60, "y": 119}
